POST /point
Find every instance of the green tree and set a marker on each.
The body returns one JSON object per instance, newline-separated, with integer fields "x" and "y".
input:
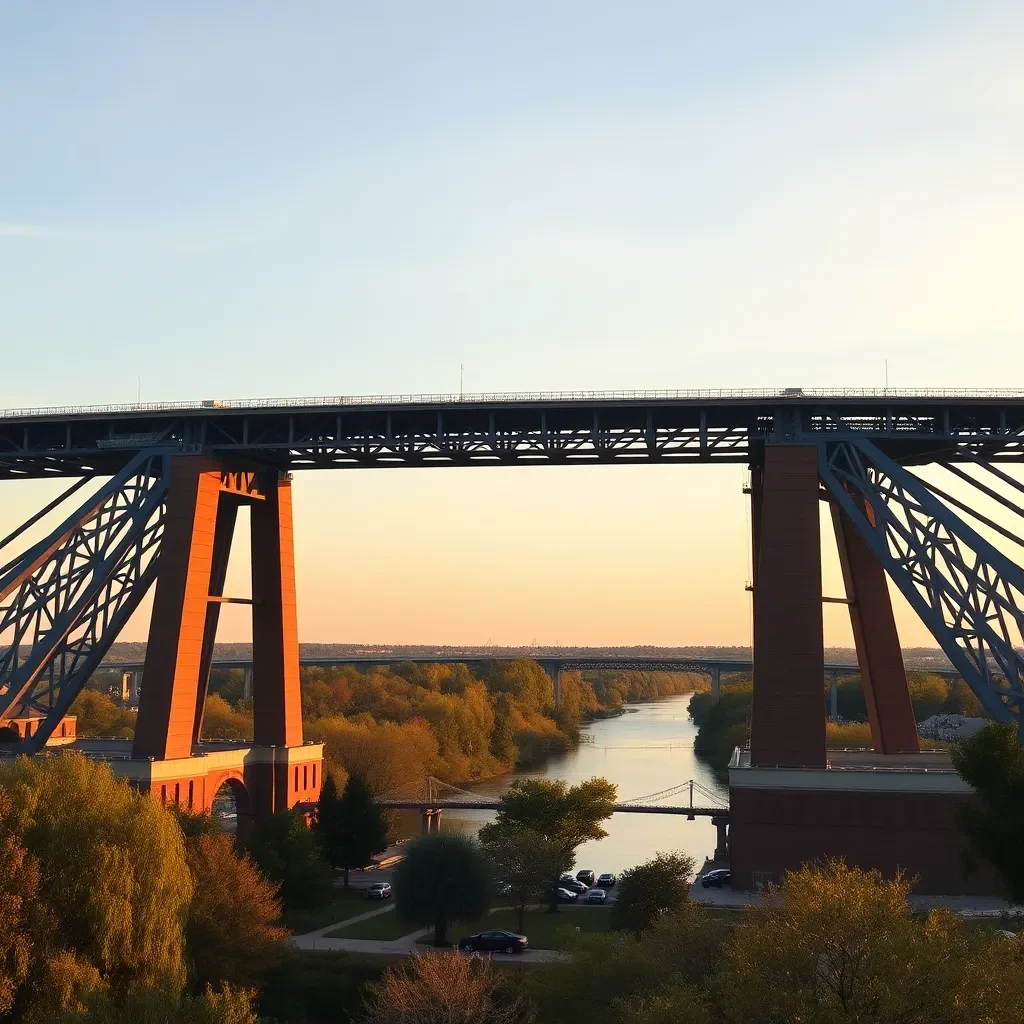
{"x": 353, "y": 827}
{"x": 650, "y": 890}
{"x": 565, "y": 817}
{"x": 231, "y": 933}
{"x": 443, "y": 877}
{"x": 677, "y": 1004}
{"x": 290, "y": 854}
{"x": 992, "y": 762}
{"x": 117, "y": 886}
{"x": 525, "y": 861}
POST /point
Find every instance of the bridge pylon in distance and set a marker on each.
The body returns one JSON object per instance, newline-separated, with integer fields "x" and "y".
{"x": 892, "y": 807}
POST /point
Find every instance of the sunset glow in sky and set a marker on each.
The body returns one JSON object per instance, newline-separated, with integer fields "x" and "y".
{"x": 256, "y": 200}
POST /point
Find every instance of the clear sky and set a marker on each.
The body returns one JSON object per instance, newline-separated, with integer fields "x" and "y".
{"x": 265, "y": 199}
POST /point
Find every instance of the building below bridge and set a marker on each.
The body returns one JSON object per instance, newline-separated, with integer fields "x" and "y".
{"x": 893, "y": 812}
{"x": 251, "y": 780}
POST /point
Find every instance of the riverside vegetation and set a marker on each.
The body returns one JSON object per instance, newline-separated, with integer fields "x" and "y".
{"x": 725, "y": 725}
{"x": 392, "y": 724}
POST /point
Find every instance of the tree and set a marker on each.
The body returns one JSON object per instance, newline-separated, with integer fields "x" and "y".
{"x": 19, "y": 884}
{"x": 443, "y": 877}
{"x": 442, "y": 989}
{"x": 116, "y": 882}
{"x": 648, "y": 891}
{"x": 565, "y": 817}
{"x": 837, "y": 944}
{"x": 230, "y": 933}
{"x": 98, "y": 715}
{"x": 525, "y": 861}
{"x": 678, "y": 1004}
{"x": 289, "y": 853}
{"x": 158, "y": 1006}
{"x": 992, "y": 761}
{"x": 353, "y": 827}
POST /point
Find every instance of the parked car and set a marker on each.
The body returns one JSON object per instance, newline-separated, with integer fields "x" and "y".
{"x": 715, "y": 879}
{"x": 566, "y": 895}
{"x": 569, "y": 882}
{"x": 585, "y": 876}
{"x": 378, "y": 891}
{"x": 606, "y": 881}
{"x": 596, "y": 896}
{"x": 494, "y": 942}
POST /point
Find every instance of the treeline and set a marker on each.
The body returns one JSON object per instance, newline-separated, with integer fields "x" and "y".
{"x": 725, "y": 725}
{"x": 393, "y": 723}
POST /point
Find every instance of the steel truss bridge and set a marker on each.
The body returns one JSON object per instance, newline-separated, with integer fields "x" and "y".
{"x": 951, "y": 547}
{"x": 435, "y": 795}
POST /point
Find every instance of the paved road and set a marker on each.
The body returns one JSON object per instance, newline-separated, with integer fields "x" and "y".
{"x": 965, "y": 906}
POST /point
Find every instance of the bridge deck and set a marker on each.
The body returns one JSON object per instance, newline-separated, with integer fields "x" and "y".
{"x": 564, "y": 428}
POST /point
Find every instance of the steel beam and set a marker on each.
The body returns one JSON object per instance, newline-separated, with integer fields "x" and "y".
{"x": 967, "y": 592}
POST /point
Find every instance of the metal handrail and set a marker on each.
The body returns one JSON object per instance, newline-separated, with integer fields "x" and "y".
{"x": 775, "y": 394}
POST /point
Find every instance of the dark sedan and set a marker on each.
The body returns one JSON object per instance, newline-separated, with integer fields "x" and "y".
{"x": 494, "y": 942}
{"x": 715, "y": 879}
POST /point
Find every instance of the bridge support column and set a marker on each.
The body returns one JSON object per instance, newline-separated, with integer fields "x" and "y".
{"x": 833, "y": 695}
{"x": 247, "y": 683}
{"x": 788, "y": 721}
{"x": 430, "y": 820}
{"x": 554, "y": 672}
{"x": 721, "y": 823}
{"x": 716, "y": 682}
{"x": 882, "y": 673}
{"x": 201, "y": 507}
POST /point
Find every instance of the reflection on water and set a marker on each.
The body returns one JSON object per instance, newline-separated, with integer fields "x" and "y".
{"x": 650, "y": 748}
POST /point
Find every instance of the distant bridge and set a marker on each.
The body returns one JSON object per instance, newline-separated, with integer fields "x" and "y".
{"x": 714, "y": 668}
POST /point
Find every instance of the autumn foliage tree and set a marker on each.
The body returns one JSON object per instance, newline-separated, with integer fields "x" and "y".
{"x": 19, "y": 884}
{"x": 117, "y": 883}
{"x": 443, "y": 988}
{"x": 834, "y": 943}
{"x": 231, "y": 932}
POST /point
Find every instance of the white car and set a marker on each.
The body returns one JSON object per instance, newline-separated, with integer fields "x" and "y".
{"x": 378, "y": 891}
{"x": 596, "y": 896}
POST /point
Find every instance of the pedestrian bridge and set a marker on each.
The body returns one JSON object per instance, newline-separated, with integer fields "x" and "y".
{"x": 434, "y": 795}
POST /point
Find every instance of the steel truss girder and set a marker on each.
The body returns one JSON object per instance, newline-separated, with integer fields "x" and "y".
{"x": 969, "y": 594}
{"x": 64, "y": 600}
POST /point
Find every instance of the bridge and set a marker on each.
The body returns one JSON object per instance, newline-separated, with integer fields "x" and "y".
{"x": 433, "y": 796}
{"x": 713, "y": 668}
{"x": 157, "y": 488}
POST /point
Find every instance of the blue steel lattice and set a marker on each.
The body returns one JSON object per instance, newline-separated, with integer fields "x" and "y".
{"x": 65, "y": 599}
{"x": 969, "y": 594}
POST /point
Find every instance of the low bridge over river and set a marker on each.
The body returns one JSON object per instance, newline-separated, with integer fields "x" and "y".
{"x": 433, "y": 796}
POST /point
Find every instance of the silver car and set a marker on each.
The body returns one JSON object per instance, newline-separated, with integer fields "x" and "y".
{"x": 379, "y": 891}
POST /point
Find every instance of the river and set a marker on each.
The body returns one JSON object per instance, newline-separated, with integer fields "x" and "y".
{"x": 647, "y": 749}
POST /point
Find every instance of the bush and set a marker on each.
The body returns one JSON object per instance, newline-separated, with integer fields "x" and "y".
{"x": 289, "y": 853}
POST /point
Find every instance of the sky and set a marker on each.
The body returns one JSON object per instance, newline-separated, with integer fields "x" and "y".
{"x": 254, "y": 199}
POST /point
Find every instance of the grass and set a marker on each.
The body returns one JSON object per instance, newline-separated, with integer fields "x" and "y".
{"x": 384, "y": 926}
{"x": 343, "y": 904}
{"x": 549, "y": 931}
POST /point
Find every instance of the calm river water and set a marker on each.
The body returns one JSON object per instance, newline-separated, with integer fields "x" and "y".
{"x": 649, "y": 748}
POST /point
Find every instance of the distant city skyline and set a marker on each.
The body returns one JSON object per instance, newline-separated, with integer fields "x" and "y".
{"x": 253, "y": 200}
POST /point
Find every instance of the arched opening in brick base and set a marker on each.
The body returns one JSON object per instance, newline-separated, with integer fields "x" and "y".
{"x": 232, "y": 805}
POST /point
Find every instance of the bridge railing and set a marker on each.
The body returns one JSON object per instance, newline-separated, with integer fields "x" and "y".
{"x": 784, "y": 394}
